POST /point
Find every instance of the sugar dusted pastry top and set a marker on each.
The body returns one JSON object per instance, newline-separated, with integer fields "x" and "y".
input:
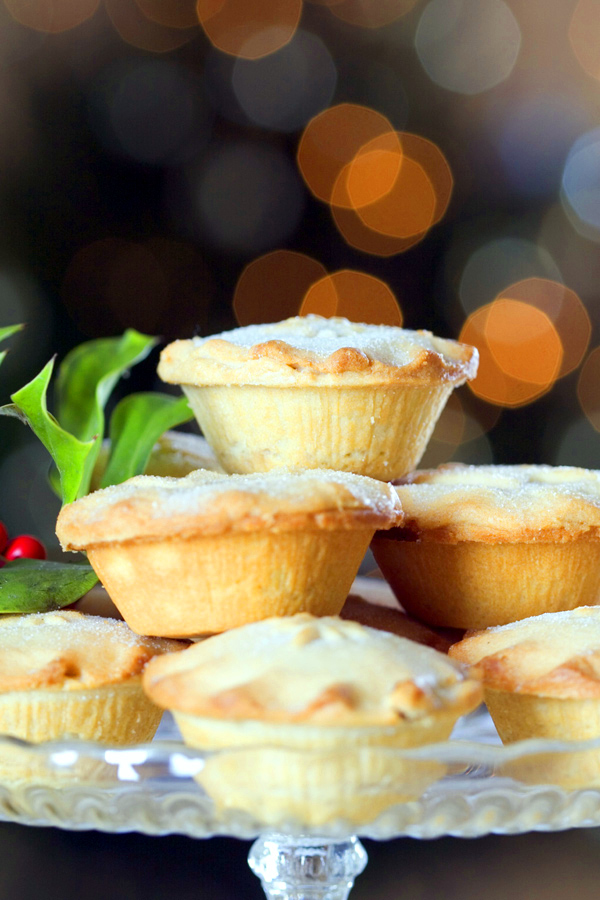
{"x": 68, "y": 650}
{"x": 303, "y": 669}
{"x": 308, "y": 350}
{"x": 206, "y": 502}
{"x": 552, "y": 655}
{"x": 501, "y": 503}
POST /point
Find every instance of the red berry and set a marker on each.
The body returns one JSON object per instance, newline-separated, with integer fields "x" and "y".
{"x": 25, "y": 547}
{"x": 3, "y": 537}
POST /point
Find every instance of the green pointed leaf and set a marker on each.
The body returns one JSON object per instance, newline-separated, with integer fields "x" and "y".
{"x": 87, "y": 376}
{"x": 6, "y": 333}
{"x": 86, "y": 379}
{"x": 70, "y": 455}
{"x": 35, "y": 585}
{"x": 137, "y": 422}
{"x": 8, "y": 330}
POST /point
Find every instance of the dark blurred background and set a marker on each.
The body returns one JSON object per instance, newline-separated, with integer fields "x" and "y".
{"x": 160, "y": 157}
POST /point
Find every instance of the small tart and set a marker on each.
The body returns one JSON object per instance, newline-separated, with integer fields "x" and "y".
{"x": 315, "y": 706}
{"x": 68, "y": 675}
{"x": 541, "y": 679}
{"x": 200, "y": 554}
{"x": 487, "y": 545}
{"x": 318, "y": 393}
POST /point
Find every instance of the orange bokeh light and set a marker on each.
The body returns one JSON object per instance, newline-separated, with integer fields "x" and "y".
{"x": 517, "y": 343}
{"x": 139, "y": 31}
{"x": 249, "y": 29}
{"x": 52, "y": 16}
{"x": 385, "y": 209}
{"x": 357, "y": 234}
{"x": 371, "y": 176}
{"x": 372, "y": 13}
{"x": 407, "y": 209}
{"x": 588, "y": 388}
{"x": 564, "y": 308}
{"x": 523, "y": 341}
{"x": 356, "y": 296}
{"x": 172, "y": 13}
{"x": 273, "y": 286}
{"x": 330, "y": 142}
{"x": 584, "y": 35}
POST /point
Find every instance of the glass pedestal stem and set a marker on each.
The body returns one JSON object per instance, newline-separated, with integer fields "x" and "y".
{"x": 306, "y": 868}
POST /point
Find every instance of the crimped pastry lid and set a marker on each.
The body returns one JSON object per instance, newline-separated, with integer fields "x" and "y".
{"x": 71, "y": 651}
{"x": 312, "y": 670}
{"x": 502, "y": 503}
{"x": 552, "y": 655}
{"x": 307, "y": 350}
{"x": 207, "y": 502}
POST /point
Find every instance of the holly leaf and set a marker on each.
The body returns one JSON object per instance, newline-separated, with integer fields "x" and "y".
{"x": 36, "y": 585}
{"x": 86, "y": 379}
{"x": 70, "y": 455}
{"x": 137, "y": 422}
{"x": 6, "y": 333}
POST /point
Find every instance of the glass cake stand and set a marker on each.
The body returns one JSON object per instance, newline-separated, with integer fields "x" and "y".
{"x": 479, "y": 788}
{"x": 468, "y": 786}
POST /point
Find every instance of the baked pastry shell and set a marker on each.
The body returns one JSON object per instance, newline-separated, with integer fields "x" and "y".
{"x": 308, "y": 716}
{"x": 118, "y": 714}
{"x": 202, "y": 584}
{"x": 478, "y": 584}
{"x": 313, "y": 774}
{"x": 377, "y": 430}
{"x": 521, "y": 716}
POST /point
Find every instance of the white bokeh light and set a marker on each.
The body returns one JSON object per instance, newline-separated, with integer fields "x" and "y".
{"x": 533, "y": 135}
{"x": 581, "y": 185}
{"x": 500, "y": 263}
{"x": 284, "y": 90}
{"x": 468, "y": 46}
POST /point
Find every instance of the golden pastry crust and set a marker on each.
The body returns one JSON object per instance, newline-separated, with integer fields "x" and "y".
{"x": 496, "y": 504}
{"x": 312, "y": 350}
{"x": 209, "y": 503}
{"x": 304, "y": 670}
{"x": 69, "y": 651}
{"x": 386, "y": 618}
{"x": 554, "y": 655}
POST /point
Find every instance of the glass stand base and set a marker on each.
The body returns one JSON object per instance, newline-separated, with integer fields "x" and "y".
{"x": 306, "y": 868}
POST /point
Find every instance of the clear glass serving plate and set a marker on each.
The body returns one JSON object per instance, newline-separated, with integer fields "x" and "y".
{"x": 469, "y": 786}
{"x": 476, "y": 787}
